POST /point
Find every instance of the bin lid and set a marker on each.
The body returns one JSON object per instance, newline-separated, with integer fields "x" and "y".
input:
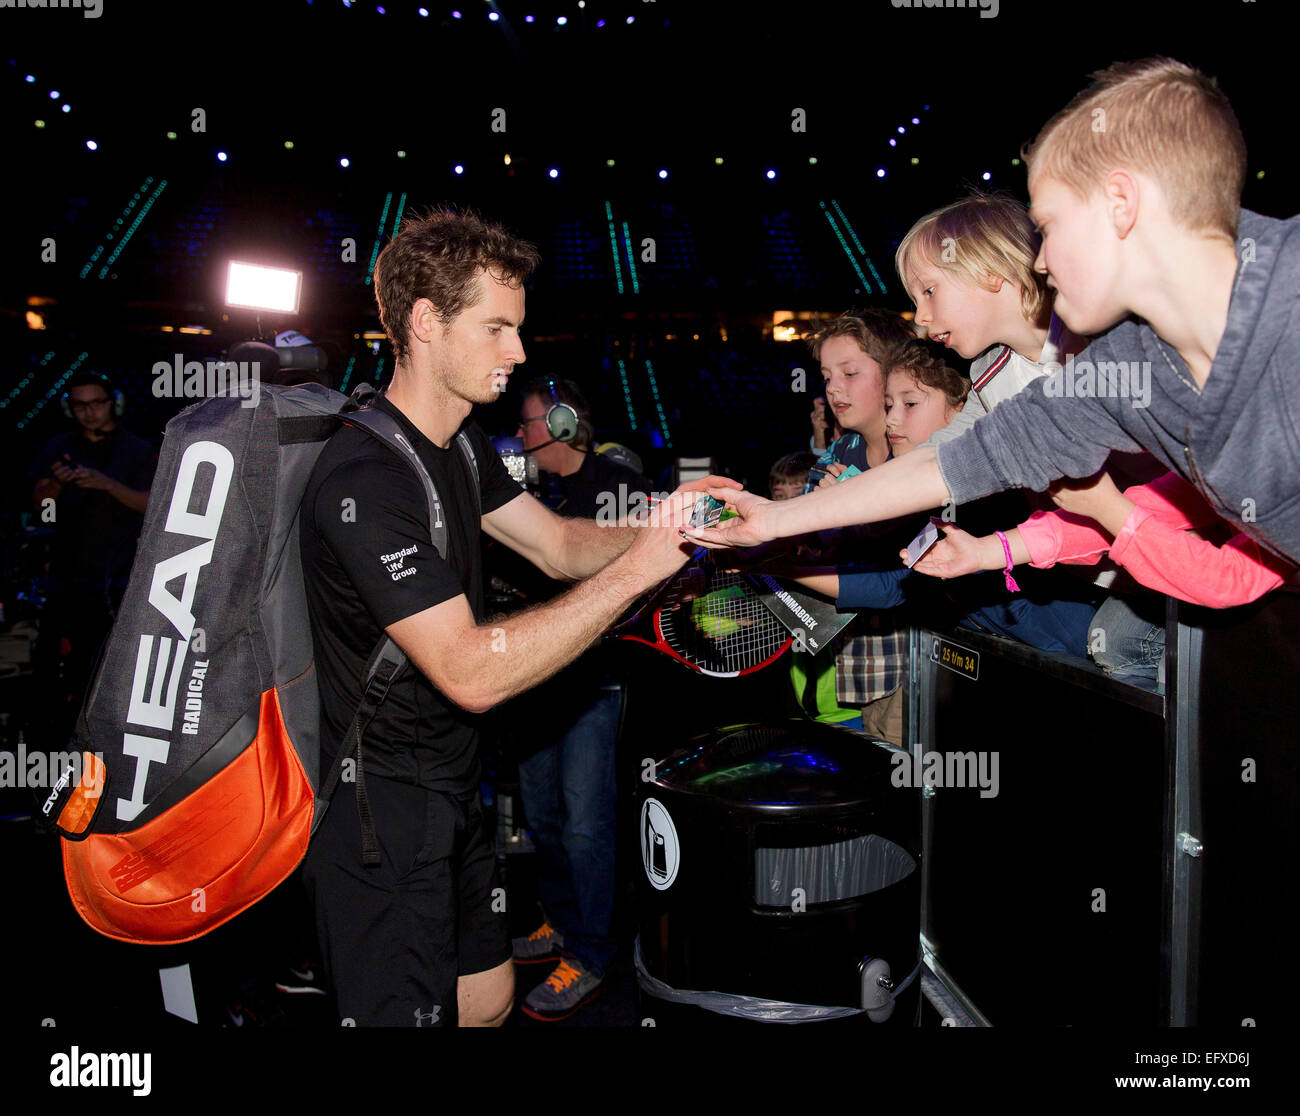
{"x": 782, "y": 766}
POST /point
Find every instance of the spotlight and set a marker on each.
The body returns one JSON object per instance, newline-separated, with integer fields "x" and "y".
{"x": 717, "y": 161}
{"x": 528, "y": 19}
{"x": 221, "y": 156}
{"x": 562, "y": 20}
{"x": 493, "y": 16}
{"x": 92, "y": 145}
{"x": 663, "y": 174}
{"x": 916, "y": 120}
{"x": 901, "y": 130}
{"x": 40, "y": 123}
{"x": 880, "y": 172}
{"x": 554, "y": 173}
{"x": 987, "y": 176}
{"x": 459, "y": 168}
{"x": 893, "y": 143}
{"x": 771, "y": 174}
{"x": 30, "y": 78}
{"x": 345, "y": 162}
{"x": 288, "y": 145}
{"x": 67, "y": 108}
{"x": 424, "y": 13}
{"x": 254, "y": 287}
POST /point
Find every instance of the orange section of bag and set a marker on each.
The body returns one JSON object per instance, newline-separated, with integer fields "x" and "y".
{"x": 80, "y": 807}
{"x": 207, "y": 858}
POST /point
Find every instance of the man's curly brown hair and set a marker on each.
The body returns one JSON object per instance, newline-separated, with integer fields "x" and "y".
{"x": 438, "y": 256}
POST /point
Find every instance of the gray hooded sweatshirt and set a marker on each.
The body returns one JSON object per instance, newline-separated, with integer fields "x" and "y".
{"x": 1237, "y": 439}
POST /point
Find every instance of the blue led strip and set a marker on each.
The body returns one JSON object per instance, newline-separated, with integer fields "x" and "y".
{"x": 55, "y": 390}
{"x": 4, "y": 403}
{"x": 126, "y": 212}
{"x": 144, "y": 210}
{"x": 401, "y": 206}
{"x": 654, "y": 388}
{"x": 347, "y": 375}
{"x": 847, "y": 250}
{"x": 631, "y": 262}
{"x": 613, "y": 246}
{"x": 379, "y": 372}
{"x": 858, "y": 244}
{"x": 379, "y": 237}
{"x": 627, "y": 393}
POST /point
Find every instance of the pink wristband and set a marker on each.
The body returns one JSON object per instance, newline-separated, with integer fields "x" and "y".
{"x": 1012, "y": 587}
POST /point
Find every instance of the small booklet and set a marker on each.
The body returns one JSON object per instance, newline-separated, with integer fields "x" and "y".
{"x": 801, "y": 611}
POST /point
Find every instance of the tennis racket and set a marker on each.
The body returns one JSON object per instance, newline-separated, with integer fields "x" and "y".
{"x": 709, "y": 620}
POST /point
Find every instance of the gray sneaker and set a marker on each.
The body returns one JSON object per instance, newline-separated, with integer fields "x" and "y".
{"x": 562, "y": 993}
{"x": 539, "y": 946}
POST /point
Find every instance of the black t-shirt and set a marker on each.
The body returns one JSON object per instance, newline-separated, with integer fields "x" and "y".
{"x": 369, "y": 562}
{"x": 95, "y": 534}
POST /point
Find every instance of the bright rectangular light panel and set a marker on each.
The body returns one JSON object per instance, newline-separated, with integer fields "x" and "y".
{"x": 263, "y": 288}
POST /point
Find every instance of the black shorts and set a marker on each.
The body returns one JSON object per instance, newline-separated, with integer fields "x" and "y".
{"x": 395, "y": 938}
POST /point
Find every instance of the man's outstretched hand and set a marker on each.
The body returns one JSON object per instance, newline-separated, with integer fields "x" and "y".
{"x": 748, "y": 526}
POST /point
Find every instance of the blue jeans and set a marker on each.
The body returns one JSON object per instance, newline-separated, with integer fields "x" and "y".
{"x": 567, "y": 788}
{"x": 1132, "y": 637}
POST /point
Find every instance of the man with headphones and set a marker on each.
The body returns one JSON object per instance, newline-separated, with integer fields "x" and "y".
{"x": 92, "y": 485}
{"x": 565, "y": 731}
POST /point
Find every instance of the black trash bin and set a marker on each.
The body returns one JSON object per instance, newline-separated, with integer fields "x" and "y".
{"x": 780, "y": 880}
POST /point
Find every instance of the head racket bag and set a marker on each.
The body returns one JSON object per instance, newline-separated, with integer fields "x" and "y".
{"x": 199, "y": 740}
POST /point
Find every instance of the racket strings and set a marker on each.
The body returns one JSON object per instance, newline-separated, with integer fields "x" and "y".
{"x": 726, "y": 628}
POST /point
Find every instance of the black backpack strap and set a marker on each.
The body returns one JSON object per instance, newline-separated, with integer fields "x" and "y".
{"x": 383, "y": 427}
{"x": 385, "y": 666}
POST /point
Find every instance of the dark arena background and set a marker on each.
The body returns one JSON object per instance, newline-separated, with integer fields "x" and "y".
{"x": 703, "y": 181}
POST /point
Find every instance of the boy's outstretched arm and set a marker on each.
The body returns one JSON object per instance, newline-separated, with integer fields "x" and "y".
{"x": 910, "y": 483}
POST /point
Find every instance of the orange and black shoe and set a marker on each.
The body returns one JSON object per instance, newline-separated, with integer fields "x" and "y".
{"x": 539, "y": 947}
{"x": 562, "y": 993}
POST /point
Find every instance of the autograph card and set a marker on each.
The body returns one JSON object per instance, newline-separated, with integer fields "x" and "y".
{"x": 919, "y": 545}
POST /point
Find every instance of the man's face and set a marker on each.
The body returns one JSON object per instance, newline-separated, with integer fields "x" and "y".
{"x": 91, "y": 407}
{"x": 954, "y": 310}
{"x": 855, "y": 387}
{"x": 476, "y": 353}
{"x": 1080, "y": 254}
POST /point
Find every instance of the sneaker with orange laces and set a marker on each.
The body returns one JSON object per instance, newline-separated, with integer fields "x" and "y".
{"x": 562, "y": 993}
{"x": 539, "y": 946}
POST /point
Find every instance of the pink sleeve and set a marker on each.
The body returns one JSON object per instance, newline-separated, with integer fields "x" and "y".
{"x": 1059, "y": 536}
{"x": 1174, "y": 501}
{"x": 1171, "y": 560}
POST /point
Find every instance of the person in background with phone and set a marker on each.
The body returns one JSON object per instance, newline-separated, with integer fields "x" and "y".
{"x": 92, "y": 484}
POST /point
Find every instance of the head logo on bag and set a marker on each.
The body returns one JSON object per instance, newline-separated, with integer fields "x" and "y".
{"x": 211, "y": 746}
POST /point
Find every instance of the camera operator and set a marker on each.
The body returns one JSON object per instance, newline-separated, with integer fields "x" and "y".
{"x": 94, "y": 483}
